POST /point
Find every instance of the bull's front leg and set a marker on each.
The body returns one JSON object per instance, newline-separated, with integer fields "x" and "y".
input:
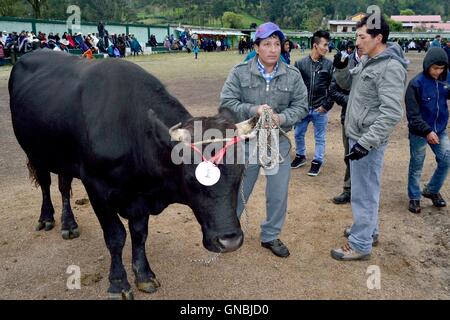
{"x": 145, "y": 278}
{"x": 115, "y": 235}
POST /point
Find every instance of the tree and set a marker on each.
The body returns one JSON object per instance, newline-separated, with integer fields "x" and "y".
{"x": 394, "y": 25}
{"x": 11, "y": 8}
{"x": 275, "y": 8}
{"x": 220, "y": 7}
{"x": 56, "y": 9}
{"x": 313, "y": 20}
{"x": 37, "y": 6}
{"x": 407, "y": 12}
{"x": 232, "y": 20}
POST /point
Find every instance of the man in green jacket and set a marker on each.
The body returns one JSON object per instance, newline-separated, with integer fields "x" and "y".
{"x": 260, "y": 84}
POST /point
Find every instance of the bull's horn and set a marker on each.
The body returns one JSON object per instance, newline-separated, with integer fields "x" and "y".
{"x": 179, "y": 134}
{"x": 246, "y": 127}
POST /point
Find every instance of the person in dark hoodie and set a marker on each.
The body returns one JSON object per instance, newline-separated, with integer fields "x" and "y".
{"x": 427, "y": 112}
{"x": 377, "y": 86}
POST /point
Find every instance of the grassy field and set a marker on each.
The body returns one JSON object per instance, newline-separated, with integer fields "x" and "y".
{"x": 209, "y": 64}
{"x": 249, "y": 19}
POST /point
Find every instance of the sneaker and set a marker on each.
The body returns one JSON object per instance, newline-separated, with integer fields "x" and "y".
{"x": 414, "y": 206}
{"x": 374, "y": 237}
{"x": 436, "y": 198}
{"x": 298, "y": 162}
{"x": 346, "y": 253}
{"x": 315, "y": 168}
{"x": 343, "y": 198}
{"x": 277, "y": 247}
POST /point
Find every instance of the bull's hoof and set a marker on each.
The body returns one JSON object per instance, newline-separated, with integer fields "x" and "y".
{"x": 124, "y": 295}
{"x": 45, "y": 225}
{"x": 149, "y": 287}
{"x": 70, "y": 234}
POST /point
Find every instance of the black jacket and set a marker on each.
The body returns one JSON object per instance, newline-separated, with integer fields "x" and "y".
{"x": 317, "y": 77}
{"x": 339, "y": 95}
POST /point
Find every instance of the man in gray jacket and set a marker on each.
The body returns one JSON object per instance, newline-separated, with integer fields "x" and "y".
{"x": 266, "y": 83}
{"x": 375, "y": 106}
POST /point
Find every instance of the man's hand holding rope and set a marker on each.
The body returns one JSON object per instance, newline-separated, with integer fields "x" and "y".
{"x": 261, "y": 111}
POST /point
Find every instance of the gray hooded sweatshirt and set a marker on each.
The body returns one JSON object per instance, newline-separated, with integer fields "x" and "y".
{"x": 376, "y": 87}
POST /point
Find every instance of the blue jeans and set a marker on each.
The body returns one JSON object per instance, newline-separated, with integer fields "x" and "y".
{"x": 277, "y": 188}
{"x": 320, "y": 122}
{"x": 366, "y": 188}
{"x": 417, "y": 147}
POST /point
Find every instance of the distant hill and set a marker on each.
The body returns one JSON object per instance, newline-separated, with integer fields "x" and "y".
{"x": 295, "y": 14}
{"x": 160, "y": 15}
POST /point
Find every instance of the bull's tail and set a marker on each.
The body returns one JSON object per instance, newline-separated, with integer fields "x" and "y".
{"x": 32, "y": 174}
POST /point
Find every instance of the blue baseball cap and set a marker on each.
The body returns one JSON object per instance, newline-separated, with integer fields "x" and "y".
{"x": 267, "y": 29}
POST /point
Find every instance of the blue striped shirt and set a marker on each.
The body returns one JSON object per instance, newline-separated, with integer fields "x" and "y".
{"x": 267, "y": 76}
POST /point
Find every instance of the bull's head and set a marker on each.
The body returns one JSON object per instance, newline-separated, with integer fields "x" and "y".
{"x": 215, "y": 206}
{"x": 244, "y": 130}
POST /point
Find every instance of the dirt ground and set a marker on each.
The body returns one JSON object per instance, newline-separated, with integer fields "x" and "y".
{"x": 413, "y": 255}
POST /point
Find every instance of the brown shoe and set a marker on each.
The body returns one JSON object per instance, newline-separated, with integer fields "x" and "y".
{"x": 346, "y": 253}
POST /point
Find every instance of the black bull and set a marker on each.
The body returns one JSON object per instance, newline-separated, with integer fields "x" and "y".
{"x": 106, "y": 123}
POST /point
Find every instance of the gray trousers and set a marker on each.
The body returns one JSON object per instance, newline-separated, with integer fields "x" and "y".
{"x": 276, "y": 193}
{"x": 347, "y": 178}
{"x": 366, "y": 182}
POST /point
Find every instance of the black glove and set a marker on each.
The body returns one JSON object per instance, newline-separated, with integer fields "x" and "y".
{"x": 357, "y": 152}
{"x": 338, "y": 64}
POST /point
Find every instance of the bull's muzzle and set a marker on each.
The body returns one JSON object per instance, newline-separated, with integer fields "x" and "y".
{"x": 231, "y": 242}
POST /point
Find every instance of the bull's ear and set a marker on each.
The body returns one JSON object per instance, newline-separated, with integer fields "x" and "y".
{"x": 180, "y": 135}
{"x": 246, "y": 127}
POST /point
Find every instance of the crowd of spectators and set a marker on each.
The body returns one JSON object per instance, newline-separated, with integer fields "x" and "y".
{"x": 189, "y": 41}
{"x": 14, "y": 44}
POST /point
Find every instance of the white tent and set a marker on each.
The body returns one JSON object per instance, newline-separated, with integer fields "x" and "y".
{"x": 214, "y": 32}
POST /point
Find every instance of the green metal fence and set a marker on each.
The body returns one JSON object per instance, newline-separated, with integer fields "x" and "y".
{"x": 141, "y": 32}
